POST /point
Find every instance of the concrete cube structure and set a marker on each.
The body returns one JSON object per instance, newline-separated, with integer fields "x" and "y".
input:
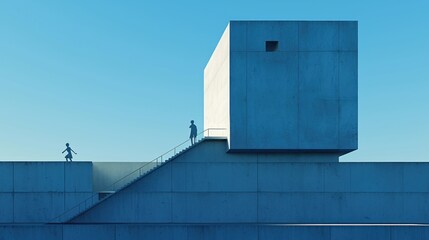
{"x": 284, "y": 86}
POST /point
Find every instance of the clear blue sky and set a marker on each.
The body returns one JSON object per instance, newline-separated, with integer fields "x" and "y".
{"x": 120, "y": 80}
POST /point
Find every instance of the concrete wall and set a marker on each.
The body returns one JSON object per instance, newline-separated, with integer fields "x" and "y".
{"x": 301, "y": 97}
{"x": 32, "y": 192}
{"x": 211, "y": 232}
{"x": 216, "y": 87}
{"x": 208, "y": 185}
{"x": 106, "y": 173}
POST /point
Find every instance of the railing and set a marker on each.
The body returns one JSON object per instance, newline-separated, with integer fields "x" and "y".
{"x": 141, "y": 171}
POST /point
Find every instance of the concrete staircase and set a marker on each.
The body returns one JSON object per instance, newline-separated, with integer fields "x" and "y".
{"x": 131, "y": 178}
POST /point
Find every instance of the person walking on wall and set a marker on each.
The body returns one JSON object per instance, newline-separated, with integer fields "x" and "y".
{"x": 193, "y": 135}
{"x": 69, "y": 155}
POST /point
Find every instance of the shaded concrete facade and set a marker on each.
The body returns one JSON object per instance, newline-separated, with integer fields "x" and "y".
{"x": 209, "y": 185}
{"x": 210, "y": 232}
{"x": 35, "y": 192}
{"x": 208, "y": 193}
{"x": 106, "y": 173}
{"x": 301, "y": 96}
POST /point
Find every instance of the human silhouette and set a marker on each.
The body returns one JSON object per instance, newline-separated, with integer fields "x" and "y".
{"x": 69, "y": 155}
{"x": 193, "y": 132}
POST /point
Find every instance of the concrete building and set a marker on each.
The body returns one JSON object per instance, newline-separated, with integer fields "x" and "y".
{"x": 284, "y": 86}
{"x": 246, "y": 179}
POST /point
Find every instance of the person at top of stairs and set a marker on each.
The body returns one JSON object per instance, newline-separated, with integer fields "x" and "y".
{"x": 193, "y": 134}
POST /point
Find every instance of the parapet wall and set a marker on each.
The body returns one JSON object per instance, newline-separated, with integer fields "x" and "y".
{"x": 35, "y": 192}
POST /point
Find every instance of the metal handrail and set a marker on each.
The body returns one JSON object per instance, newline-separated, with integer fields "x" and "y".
{"x": 159, "y": 161}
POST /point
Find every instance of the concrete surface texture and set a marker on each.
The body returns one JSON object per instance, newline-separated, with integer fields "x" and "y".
{"x": 106, "y": 173}
{"x": 211, "y": 232}
{"x": 208, "y": 193}
{"x": 208, "y": 185}
{"x": 34, "y": 192}
{"x": 301, "y": 96}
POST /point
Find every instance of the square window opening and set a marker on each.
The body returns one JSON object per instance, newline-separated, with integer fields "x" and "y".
{"x": 271, "y": 46}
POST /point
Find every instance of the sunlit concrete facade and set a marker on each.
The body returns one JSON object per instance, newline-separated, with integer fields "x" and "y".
{"x": 300, "y": 96}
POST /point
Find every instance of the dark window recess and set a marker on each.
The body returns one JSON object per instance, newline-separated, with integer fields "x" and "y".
{"x": 271, "y": 46}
